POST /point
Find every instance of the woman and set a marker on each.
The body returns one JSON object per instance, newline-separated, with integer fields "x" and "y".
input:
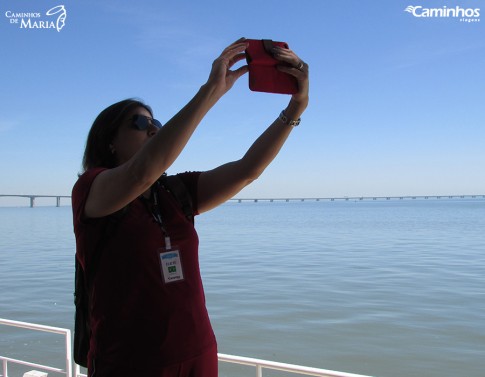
{"x": 148, "y": 313}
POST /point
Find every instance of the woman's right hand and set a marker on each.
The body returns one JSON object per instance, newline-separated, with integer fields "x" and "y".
{"x": 221, "y": 77}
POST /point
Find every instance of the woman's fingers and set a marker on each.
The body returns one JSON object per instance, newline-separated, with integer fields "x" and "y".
{"x": 288, "y": 56}
{"x": 300, "y": 71}
{"x": 221, "y": 76}
{"x": 232, "y": 54}
{"x": 236, "y": 47}
{"x": 296, "y": 67}
{"x": 236, "y": 58}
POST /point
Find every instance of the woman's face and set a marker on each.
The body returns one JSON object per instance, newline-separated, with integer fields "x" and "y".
{"x": 129, "y": 139}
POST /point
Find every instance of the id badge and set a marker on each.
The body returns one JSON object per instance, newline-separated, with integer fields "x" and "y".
{"x": 171, "y": 266}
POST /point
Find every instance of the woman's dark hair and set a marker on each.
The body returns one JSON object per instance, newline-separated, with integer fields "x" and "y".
{"x": 104, "y": 130}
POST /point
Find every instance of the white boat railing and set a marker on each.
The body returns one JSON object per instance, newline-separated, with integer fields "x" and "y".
{"x": 258, "y": 364}
{"x": 261, "y": 365}
{"x": 32, "y": 326}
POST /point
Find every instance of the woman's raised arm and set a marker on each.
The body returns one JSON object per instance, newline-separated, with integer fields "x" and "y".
{"x": 222, "y": 183}
{"x": 141, "y": 165}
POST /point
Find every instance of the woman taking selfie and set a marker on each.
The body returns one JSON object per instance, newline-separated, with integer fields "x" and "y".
{"x": 148, "y": 313}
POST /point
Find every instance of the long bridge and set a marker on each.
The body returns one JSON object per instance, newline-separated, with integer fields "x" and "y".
{"x": 33, "y": 197}
{"x": 359, "y": 198}
{"x": 256, "y": 200}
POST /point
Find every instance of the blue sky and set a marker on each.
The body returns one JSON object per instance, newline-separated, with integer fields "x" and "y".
{"x": 396, "y": 101}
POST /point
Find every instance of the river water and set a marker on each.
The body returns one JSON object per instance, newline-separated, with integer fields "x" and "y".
{"x": 383, "y": 288}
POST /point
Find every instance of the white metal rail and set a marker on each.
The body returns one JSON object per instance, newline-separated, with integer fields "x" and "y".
{"x": 258, "y": 364}
{"x": 261, "y": 365}
{"x": 31, "y": 326}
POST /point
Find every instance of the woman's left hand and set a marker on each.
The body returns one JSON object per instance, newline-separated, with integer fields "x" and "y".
{"x": 297, "y": 68}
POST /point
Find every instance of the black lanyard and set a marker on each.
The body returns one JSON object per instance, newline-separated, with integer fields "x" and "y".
{"x": 157, "y": 213}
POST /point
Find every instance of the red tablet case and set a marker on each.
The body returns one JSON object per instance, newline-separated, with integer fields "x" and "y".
{"x": 263, "y": 75}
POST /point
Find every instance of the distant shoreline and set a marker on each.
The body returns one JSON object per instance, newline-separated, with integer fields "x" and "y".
{"x": 19, "y": 200}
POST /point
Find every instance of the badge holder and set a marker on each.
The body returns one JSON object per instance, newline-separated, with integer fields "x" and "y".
{"x": 171, "y": 263}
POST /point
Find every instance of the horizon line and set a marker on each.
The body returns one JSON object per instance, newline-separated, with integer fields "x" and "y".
{"x": 407, "y": 196}
{"x": 32, "y": 198}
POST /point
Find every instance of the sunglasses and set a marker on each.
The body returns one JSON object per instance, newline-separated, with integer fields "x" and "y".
{"x": 142, "y": 122}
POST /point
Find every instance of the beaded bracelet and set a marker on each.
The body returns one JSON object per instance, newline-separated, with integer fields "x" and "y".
{"x": 285, "y": 120}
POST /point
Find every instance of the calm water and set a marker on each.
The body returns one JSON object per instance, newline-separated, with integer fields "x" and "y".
{"x": 384, "y": 288}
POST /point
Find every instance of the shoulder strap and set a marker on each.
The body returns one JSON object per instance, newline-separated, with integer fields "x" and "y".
{"x": 177, "y": 188}
{"x": 108, "y": 231}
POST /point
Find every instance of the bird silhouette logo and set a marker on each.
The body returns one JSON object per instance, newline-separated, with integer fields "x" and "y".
{"x": 61, "y": 18}
{"x": 410, "y": 9}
